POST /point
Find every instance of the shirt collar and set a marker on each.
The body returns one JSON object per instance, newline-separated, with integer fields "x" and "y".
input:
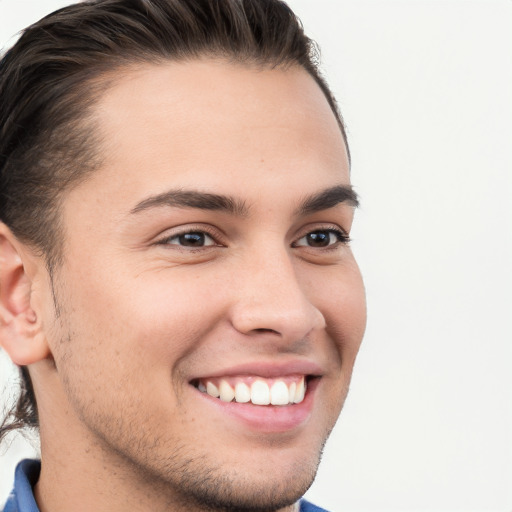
{"x": 21, "y": 498}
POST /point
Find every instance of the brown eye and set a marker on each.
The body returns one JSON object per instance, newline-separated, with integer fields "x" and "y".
{"x": 319, "y": 239}
{"x": 322, "y": 238}
{"x": 191, "y": 239}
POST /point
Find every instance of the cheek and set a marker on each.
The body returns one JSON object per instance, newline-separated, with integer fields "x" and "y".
{"x": 153, "y": 319}
{"x": 173, "y": 313}
{"x": 342, "y": 300}
{"x": 122, "y": 343}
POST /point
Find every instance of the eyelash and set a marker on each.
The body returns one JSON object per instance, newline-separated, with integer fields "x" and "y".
{"x": 202, "y": 230}
{"x": 341, "y": 238}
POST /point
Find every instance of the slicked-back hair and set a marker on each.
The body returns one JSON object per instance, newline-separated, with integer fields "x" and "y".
{"x": 52, "y": 77}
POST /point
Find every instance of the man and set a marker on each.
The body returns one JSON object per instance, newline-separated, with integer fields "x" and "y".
{"x": 176, "y": 280}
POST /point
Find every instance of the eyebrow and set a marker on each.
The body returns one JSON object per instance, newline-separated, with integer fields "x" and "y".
{"x": 329, "y": 198}
{"x": 194, "y": 199}
{"x": 323, "y": 200}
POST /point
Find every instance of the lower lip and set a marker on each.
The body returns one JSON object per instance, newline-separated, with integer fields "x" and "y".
{"x": 268, "y": 418}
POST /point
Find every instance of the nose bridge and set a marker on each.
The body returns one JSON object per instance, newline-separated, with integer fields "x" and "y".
{"x": 272, "y": 298}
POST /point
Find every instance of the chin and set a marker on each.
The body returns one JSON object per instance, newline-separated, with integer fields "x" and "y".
{"x": 270, "y": 479}
{"x": 256, "y": 492}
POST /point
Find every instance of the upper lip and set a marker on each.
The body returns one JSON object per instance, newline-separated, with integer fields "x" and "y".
{"x": 267, "y": 369}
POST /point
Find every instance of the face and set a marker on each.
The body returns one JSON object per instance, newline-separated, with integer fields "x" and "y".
{"x": 206, "y": 272}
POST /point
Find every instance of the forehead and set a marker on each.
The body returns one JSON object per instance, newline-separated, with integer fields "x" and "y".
{"x": 213, "y": 91}
{"x": 217, "y": 126}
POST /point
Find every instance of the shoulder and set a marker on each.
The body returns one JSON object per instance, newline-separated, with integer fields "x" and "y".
{"x": 306, "y": 506}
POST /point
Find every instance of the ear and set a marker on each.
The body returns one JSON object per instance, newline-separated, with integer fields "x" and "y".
{"x": 21, "y": 334}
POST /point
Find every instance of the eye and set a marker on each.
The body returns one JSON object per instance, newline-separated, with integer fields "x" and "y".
{"x": 322, "y": 238}
{"x": 192, "y": 239}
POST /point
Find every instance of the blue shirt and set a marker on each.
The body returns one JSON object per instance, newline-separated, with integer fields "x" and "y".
{"x": 22, "y": 499}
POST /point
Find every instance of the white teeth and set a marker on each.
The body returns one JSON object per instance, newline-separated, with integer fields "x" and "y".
{"x": 226, "y": 391}
{"x": 260, "y": 393}
{"x": 279, "y": 394}
{"x": 300, "y": 392}
{"x": 212, "y": 390}
{"x": 293, "y": 387}
{"x": 242, "y": 393}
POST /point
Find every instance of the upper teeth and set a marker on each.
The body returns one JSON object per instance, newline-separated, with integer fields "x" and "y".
{"x": 259, "y": 392}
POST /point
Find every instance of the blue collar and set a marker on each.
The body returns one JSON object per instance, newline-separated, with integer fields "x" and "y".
{"x": 22, "y": 499}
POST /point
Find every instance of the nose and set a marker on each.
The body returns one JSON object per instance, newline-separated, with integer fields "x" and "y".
{"x": 270, "y": 297}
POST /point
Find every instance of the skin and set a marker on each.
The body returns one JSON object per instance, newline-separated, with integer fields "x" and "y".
{"x": 140, "y": 315}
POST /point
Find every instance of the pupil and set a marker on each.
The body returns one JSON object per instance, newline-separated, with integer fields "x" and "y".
{"x": 192, "y": 239}
{"x": 319, "y": 239}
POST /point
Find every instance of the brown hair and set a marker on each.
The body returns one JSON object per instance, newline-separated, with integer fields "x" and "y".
{"x": 51, "y": 77}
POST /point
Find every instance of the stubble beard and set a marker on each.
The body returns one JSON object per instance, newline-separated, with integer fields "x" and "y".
{"x": 186, "y": 480}
{"x": 220, "y": 490}
{"x": 190, "y": 481}
{"x": 194, "y": 483}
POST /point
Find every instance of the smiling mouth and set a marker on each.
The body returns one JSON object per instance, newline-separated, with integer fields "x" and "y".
{"x": 255, "y": 390}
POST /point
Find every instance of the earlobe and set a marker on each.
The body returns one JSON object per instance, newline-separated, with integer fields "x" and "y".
{"x": 21, "y": 335}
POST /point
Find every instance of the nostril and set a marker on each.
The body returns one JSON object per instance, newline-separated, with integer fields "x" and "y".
{"x": 263, "y": 331}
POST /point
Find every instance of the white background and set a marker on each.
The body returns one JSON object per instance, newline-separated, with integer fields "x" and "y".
{"x": 425, "y": 88}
